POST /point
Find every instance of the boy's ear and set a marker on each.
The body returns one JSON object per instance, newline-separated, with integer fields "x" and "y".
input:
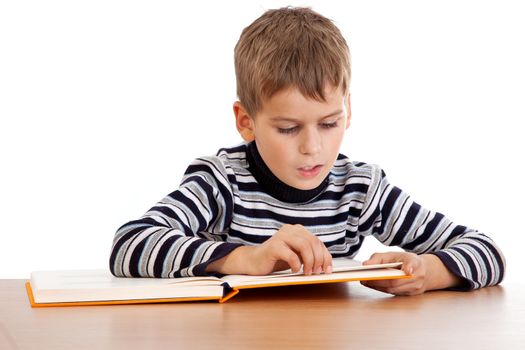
{"x": 348, "y": 111}
{"x": 243, "y": 122}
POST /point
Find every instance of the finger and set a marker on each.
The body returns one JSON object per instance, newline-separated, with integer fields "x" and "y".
{"x": 303, "y": 248}
{"x": 383, "y": 258}
{"x": 280, "y": 265}
{"x": 306, "y": 254}
{"x": 408, "y": 268}
{"x": 319, "y": 250}
{"x": 411, "y": 288}
{"x": 284, "y": 253}
{"x": 327, "y": 261}
{"x": 308, "y": 247}
{"x": 292, "y": 259}
{"x": 388, "y": 283}
{"x": 410, "y": 260}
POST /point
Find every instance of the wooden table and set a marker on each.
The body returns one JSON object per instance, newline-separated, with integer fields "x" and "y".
{"x": 336, "y": 316}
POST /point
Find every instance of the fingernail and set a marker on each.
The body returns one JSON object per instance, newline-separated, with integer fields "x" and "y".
{"x": 329, "y": 269}
{"x": 318, "y": 270}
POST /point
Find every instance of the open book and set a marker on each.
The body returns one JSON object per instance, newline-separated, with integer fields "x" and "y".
{"x": 99, "y": 287}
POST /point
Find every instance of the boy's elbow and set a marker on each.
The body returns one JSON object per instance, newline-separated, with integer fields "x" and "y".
{"x": 113, "y": 271}
{"x": 112, "y": 268}
{"x": 502, "y": 268}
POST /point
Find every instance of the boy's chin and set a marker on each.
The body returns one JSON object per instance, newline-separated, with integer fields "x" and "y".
{"x": 305, "y": 185}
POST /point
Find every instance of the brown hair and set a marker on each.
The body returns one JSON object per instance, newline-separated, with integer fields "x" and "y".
{"x": 289, "y": 47}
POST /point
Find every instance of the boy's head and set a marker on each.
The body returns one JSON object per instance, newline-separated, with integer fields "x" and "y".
{"x": 293, "y": 73}
{"x": 289, "y": 47}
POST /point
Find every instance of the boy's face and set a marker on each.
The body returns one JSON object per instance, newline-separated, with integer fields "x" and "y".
{"x": 299, "y": 138}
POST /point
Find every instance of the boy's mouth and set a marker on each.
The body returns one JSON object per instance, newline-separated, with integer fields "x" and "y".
{"x": 310, "y": 171}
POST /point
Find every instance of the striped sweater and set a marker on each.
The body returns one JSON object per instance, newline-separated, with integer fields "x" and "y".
{"x": 232, "y": 199}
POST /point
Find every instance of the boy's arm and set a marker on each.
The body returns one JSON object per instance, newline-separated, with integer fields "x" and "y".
{"x": 466, "y": 258}
{"x": 182, "y": 233}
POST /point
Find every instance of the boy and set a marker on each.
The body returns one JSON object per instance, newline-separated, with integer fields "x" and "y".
{"x": 286, "y": 198}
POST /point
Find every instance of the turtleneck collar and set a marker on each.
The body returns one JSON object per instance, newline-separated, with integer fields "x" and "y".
{"x": 275, "y": 187}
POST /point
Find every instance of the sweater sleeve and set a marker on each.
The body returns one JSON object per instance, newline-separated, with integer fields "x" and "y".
{"x": 182, "y": 233}
{"x": 390, "y": 215}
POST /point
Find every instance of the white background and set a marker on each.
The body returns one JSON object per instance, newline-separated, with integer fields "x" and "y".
{"x": 104, "y": 103}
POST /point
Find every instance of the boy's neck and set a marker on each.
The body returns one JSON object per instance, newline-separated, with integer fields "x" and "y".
{"x": 275, "y": 187}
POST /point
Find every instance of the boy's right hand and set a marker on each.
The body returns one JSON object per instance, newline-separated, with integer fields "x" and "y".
{"x": 290, "y": 247}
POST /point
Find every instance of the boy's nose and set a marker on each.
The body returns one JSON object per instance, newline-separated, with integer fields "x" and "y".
{"x": 310, "y": 143}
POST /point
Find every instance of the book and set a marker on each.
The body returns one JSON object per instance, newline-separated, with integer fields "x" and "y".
{"x": 100, "y": 287}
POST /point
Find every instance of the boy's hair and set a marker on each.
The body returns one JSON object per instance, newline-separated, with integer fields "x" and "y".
{"x": 290, "y": 47}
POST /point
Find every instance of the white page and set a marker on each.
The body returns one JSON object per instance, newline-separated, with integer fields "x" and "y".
{"x": 340, "y": 265}
{"x": 103, "y": 279}
{"x": 101, "y": 285}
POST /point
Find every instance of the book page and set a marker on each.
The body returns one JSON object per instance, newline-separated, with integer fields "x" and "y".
{"x": 340, "y": 266}
{"x": 101, "y": 285}
{"x": 356, "y": 275}
{"x": 103, "y": 279}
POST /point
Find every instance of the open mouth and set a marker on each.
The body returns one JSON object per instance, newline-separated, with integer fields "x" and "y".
{"x": 310, "y": 171}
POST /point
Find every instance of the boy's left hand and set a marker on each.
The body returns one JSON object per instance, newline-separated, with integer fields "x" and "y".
{"x": 427, "y": 270}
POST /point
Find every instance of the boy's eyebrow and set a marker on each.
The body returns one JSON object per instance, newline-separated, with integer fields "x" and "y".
{"x": 288, "y": 119}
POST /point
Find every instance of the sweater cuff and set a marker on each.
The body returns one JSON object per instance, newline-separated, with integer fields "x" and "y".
{"x": 447, "y": 260}
{"x": 220, "y": 252}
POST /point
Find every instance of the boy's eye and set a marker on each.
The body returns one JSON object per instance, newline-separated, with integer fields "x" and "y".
{"x": 287, "y": 130}
{"x": 294, "y": 129}
{"x": 329, "y": 125}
